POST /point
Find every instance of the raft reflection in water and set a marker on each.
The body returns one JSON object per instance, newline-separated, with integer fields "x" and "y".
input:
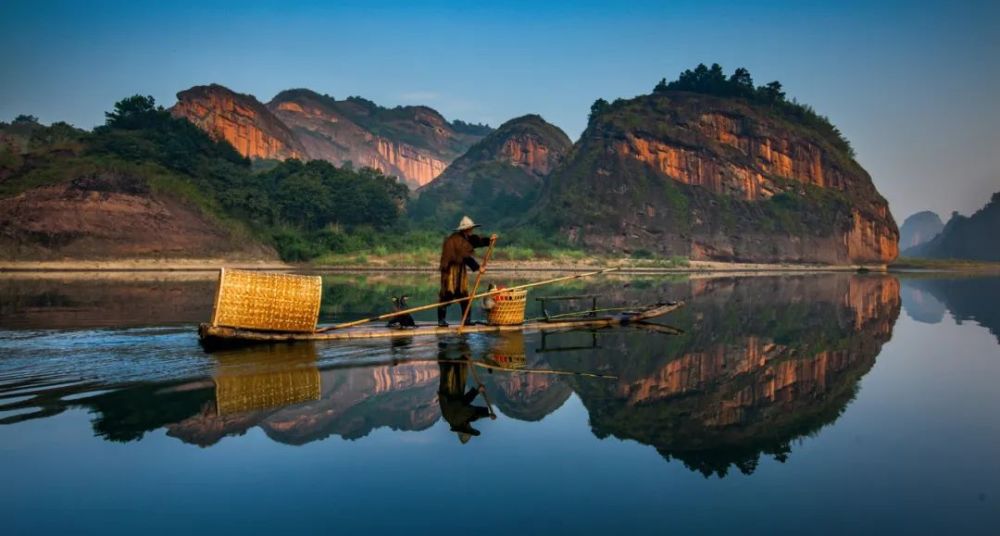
{"x": 761, "y": 362}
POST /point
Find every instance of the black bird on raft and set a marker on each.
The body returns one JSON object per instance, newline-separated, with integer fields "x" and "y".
{"x": 404, "y": 320}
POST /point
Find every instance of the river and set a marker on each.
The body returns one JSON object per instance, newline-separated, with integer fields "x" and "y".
{"x": 820, "y": 403}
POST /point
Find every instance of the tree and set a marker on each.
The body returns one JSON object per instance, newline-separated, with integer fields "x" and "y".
{"x": 772, "y": 92}
{"x": 741, "y": 77}
{"x": 25, "y": 118}
{"x": 134, "y": 112}
{"x": 599, "y": 107}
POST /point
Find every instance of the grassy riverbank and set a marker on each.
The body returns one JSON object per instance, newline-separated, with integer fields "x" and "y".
{"x": 424, "y": 261}
{"x": 944, "y": 265}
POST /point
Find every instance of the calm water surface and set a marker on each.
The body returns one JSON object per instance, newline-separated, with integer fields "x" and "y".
{"x": 787, "y": 404}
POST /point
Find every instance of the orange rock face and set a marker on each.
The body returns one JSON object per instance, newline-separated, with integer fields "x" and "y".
{"x": 416, "y": 167}
{"x": 529, "y": 152}
{"x": 728, "y": 148}
{"x": 239, "y": 119}
{"x": 414, "y": 143}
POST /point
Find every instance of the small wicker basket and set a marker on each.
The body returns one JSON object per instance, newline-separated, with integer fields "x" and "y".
{"x": 508, "y": 309}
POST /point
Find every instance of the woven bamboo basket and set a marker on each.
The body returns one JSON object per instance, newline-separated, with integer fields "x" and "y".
{"x": 267, "y": 301}
{"x": 508, "y": 309}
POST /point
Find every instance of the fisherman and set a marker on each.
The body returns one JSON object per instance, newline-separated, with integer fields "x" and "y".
{"x": 456, "y": 256}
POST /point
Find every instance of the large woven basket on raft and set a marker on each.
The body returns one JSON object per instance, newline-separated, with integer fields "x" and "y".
{"x": 508, "y": 308}
{"x": 267, "y": 301}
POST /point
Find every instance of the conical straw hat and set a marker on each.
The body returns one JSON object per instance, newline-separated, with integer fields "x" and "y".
{"x": 466, "y": 223}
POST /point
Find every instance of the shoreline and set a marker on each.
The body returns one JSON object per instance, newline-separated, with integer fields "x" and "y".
{"x": 211, "y": 265}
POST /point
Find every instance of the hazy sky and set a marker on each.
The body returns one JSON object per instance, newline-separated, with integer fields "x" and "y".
{"x": 914, "y": 85}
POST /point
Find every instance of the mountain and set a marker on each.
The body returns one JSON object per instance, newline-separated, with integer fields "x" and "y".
{"x": 717, "y": 177}
{"x": 919, "y": 228}
{"x": 239, "y": 119}
{"x": 498, "y": 177}
{"x": 975, "y": 237}
{"x": 415, "y": 143}
{"x": 149, "y": 184}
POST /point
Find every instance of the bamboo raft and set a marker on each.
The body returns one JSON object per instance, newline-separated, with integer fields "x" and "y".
{"x": 271, "y": 308}
{"x": 213, "y": 335}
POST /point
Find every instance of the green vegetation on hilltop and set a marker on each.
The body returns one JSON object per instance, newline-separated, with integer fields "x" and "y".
{"x": 713, "y": 81}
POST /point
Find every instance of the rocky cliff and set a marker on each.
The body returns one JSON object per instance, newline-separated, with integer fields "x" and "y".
{"x": 239, "y": 119}
{"x": 966, "y": 237}
{"x": 414, "y": 143}
{"x": 716, "y": 178}
{"x": 498, "y": 177}
{"x": 919, "y": 228}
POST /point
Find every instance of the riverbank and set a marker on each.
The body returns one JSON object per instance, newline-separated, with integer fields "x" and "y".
{"x": 376, "y": 264}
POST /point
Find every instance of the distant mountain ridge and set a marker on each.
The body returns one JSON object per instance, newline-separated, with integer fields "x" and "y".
{"x": 975, "y": 237}
{"x": 919, "y": 228}
{"x": 415, "y": 143}
{"x": 497, "y": 178}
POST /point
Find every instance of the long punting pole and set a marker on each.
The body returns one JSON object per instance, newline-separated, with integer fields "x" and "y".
{"x": 393, "y": 314}
{"x": 475, "y": 288}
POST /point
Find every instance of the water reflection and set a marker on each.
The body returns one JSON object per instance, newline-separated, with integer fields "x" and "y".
{"x": 967, "y": 298}
{"x": 756, "y": 364}
{"x": 759, "y": 366}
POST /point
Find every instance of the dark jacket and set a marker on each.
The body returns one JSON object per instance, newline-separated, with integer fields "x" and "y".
{"x": 457, "y": 255}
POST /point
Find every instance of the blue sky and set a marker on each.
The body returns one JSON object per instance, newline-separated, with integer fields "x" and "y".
{"x": 913, "y": 85}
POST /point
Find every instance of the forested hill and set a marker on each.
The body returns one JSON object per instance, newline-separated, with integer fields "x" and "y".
{"x": 147, "y": 184}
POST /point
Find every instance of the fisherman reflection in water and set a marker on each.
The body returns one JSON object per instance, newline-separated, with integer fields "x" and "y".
{"x": 456, "y": 402}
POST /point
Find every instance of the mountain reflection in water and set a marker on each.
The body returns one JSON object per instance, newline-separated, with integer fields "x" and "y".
{"x": 760, "y": 363}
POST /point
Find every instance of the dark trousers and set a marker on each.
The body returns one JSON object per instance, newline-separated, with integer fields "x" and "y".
{"x": 448, "y": 296}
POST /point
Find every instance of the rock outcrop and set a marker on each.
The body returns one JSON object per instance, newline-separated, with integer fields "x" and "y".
{"x": 714, "y": 178}
{"x": 497, "y": 178}
{"x": 919, "y": 228}
{"x": 414, "y": 143}
{"x": 239, "y": 119}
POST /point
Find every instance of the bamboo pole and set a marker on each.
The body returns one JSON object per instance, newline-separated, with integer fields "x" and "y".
{"x": 475, "y": 288}
{"x": 394, "y": 314}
